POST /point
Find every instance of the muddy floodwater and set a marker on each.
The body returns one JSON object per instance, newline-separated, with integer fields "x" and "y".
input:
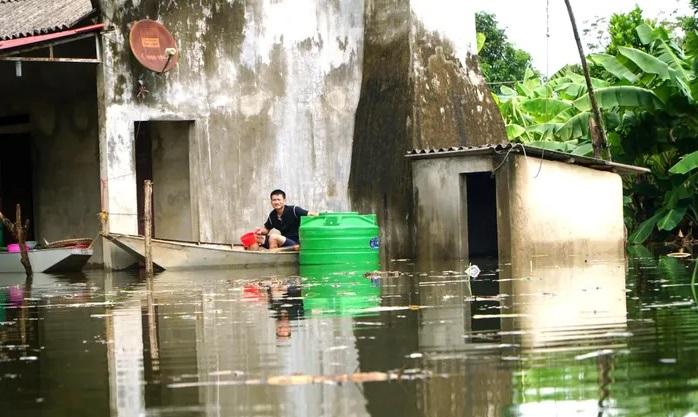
{"x": 566, "y": 337}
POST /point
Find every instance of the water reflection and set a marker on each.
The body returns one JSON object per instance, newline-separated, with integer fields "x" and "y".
{"x": 553, "y": 336}
{"x": 562, "y": 302}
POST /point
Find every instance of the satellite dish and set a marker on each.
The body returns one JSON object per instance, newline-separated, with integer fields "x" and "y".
{"x": 153, "y": 45}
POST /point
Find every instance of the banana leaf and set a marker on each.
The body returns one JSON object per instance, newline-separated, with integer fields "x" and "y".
{"x": 621, "y": 96}
{"x": 687, "y": 164}
{"x": 575, "y": 127}
{"x": 547, "y": 107}
{"x": 646, "y": 62}
{"x": 644, "y": 229}
{"x": 672, "y": 219}
{"x": 507, "y": 91}
{"x": 481, "y": 38}
{"x": 645, "y": 33}
{"x": 611, "y": 64}
{"x": 583, "y": 149}
{"x": 690, "y": 44}
{"x": 514, "y": 131}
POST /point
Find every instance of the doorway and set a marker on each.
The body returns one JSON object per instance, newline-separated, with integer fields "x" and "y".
{"x": 481, "y": 207}
{"x": 162, "y": 155}
{"x": 16, "y": 169}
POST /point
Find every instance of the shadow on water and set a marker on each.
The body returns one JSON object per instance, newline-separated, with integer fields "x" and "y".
{"x": 543, "y": 336}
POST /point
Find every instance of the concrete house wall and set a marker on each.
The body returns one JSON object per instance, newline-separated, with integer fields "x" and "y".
{"x": 294, "y": 94}
{"x": 542, "y": 207}
{"x": 270, "y": 89}
{"x": 319, "y": 98}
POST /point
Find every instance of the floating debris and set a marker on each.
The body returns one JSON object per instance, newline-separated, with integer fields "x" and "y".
{"x": 594, "y": 354}
{"x": 472, "y": 271}
{"x": 305, "y": 379}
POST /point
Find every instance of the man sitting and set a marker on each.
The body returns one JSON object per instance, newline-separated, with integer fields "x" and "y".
{"x": 285, "y": 219}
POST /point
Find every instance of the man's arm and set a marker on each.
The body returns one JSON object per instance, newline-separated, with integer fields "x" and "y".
{"x": 300, "y": 211}
{"x": 264, "y": 230}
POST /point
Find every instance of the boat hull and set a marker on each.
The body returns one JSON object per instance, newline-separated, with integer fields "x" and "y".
{"x": 172, "y": 254}
{"x": 55, "y": 260}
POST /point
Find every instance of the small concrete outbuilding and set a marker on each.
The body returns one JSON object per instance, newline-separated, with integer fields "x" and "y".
{"x": 515, "y": 201}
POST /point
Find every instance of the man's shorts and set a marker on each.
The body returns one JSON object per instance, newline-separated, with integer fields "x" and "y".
{"x": 287, "y": 243}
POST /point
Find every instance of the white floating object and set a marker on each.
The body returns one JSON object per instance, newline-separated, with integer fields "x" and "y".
{"x": 472, "y": 271}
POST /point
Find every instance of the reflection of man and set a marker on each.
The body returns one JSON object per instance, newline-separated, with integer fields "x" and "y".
{"x": 286, "y": 302}
{"x": 285, "y": 219}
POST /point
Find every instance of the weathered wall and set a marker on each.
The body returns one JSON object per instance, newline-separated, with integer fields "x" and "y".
{"x": 440, "y": 206}
{"x": 542, "y": 208}
{"x": 272, "y": 88}
{"x": 61, "y": 102}
{"x": 421, "y": 88}
{"x": 171, "y": 183}
{"x": 553, "y": 207}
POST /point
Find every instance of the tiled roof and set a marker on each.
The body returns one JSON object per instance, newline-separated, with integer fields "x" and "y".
{"x": 505, "y": 149}
{"x": 20, "y": 18}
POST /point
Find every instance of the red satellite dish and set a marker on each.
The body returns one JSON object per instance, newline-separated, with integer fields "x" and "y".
{"x": 153, "y": 45}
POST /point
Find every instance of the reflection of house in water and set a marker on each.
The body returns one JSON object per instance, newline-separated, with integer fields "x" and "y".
{"x": 563, "y": 300}
{"x": 213, "y": 336}
{"x": 55, "y": 364}
{"x": 553, "y": 302}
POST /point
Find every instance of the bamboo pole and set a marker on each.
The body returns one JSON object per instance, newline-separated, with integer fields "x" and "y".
{"x": 598, "y": 133}
{"x": 147, "y": 227}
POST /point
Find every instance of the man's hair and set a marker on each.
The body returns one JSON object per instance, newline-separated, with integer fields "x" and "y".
{"x": 278, "y": 192}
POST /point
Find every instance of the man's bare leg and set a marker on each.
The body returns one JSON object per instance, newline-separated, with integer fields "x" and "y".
{"x": 276, "y": 241}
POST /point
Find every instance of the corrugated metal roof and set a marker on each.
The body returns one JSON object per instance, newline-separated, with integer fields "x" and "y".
{"x": 505, "y": 149}
{"x": 19, "y": 18}
{"x": 32, "y": 40}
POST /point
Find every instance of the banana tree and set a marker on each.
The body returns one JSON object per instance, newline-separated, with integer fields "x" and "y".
{"x": 649, "y": 100}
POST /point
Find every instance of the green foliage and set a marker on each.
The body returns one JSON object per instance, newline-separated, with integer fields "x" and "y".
{"x": 622, "y": 32}
{"x": 648, "y": 93}
{"x": 500, "y": 60}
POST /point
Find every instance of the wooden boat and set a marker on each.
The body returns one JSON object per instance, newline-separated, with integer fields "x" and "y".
{"x": 176, "y": 254}
{"x": 64, "y": 259}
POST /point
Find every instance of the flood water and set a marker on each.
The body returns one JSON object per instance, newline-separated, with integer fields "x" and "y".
{"x": 564, "y": 337}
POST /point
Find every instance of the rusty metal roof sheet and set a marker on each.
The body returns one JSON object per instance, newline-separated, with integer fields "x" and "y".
{"x": 32, "y": 40}
{"x": 505, "y": 149}
{"x": 19, "y": 18}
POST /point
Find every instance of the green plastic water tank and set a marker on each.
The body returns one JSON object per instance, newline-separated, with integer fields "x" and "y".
{"x": 339, "y": 238}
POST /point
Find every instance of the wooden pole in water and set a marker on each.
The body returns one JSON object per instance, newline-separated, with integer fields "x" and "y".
{"x": 20, "y": 232}
{"x": 597, "y": 133}
{"x": 147, "y": 227}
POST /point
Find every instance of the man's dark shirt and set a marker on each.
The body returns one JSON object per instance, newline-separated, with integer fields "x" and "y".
{"x": 289, "y": 222}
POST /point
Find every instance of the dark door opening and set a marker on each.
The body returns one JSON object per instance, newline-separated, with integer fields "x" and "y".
{"x": 144, "y": 169}
{"x": 482, "y": 214}
{"x": 16, "y": 185}
{"x": 162, "y": 155}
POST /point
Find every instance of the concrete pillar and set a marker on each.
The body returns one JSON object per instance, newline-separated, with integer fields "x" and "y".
{"x": 421, "y": 88}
